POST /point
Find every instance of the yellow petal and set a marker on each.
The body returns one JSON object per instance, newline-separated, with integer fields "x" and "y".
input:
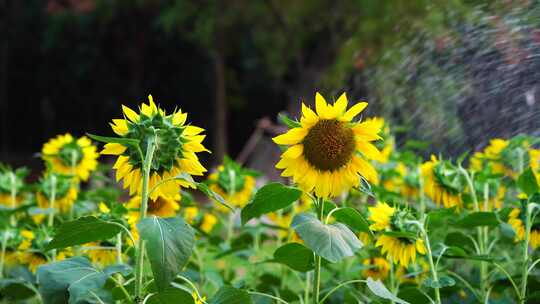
{"x": 341, "y": 104}
{"x": 369, "y": 150}
{"x": 130, "y": 114}
{"x": 293, "y": 151}
{"x": 353, "y": 111}
{"x": 293, "y": 136}
{"x": 179, "y": 118}
{"x": 192, "y": 130}
{"x": 113, "y": 149}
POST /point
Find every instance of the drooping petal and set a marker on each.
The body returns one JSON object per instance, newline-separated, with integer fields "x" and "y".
{"x": 353, "y": 111}
{"x": 292, "y": 137}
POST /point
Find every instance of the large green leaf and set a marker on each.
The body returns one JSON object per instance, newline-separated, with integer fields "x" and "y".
{"x": 476, "y": 219}
{"x": 296, "y": 256}
{"x": 332, "y": 242}
{"x": 352, "y": 218}
{"x": 378, "y": 288}
{"x": 171, "y": 295}
{"x": 269, "y": 198}
{"x": 117, "y": 140}
{"x": 83, "y": 230}
{"x": 527, "y": 182}
{"x": 169, "y": 243}
{"x": 231, "y": 295}
{"x": 72, "y": 281}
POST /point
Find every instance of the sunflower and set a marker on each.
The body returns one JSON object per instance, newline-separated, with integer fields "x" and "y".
{"x": 398, "y": 249}
{"x": 376, "y": 268}
{"x": 64, "y": 192}
{"x": 160, "y": 206}
{"x": 233, "y": 183}
{"x": 190, "y": 214}
{"x": 517, "y": 222}
{"x": 327, "y": 151}
{"x": 71, "y": 156}
{"x": 28, "y": 237}
{"x": 414, "y": 273}
{"x": 175, "y": 153}
{"x": 197, "y": 299}
{"x": 387, "y": 145}
{"x": 442, "y": 183}
{"x": 101, "y": 254}
{"x": 11, "y": 180}
{"x": 32, "y": 259}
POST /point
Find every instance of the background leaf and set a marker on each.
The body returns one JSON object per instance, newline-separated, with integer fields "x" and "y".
{"x": 231, "y": 295}
{"x": 527, "y": 182}
{"x": 352, "y": 218}
{"x": 378, "y": 288}
{"x": 476, "y": 219}
{"x": 169, "y": 243}
{"x": 269, "y": 198}
{"x": 332, "y": 242}
{"x": 296, "y": 256}
{"x": 83, "y": 230}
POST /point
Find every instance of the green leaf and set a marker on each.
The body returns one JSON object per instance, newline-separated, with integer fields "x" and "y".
{"x": 378, "y": 288}
{"x": 444, "y": 281}
{"x": 270, "y": 198}
{"x": 413, "y": 295}
{"x": 527, "y": 182}
{"x": 83, "y": 230}
{"x": 332, "y": 242}
{"x": 169, "y": 243}
{"x": 116, "y": 140}
{"x": 71, "y": 281}
{"x": 401, "y": 234}
{"x": 171, "y": 295}
{"x": 476, "y": 219}
{"x": 288, "y": 122}
{"x": 507, "y": 230}
{"x": 231, "y": 295}
{"x": 352, "y": 218}
{"x": 460, "y": 240}
{"x": 296, "y": 256}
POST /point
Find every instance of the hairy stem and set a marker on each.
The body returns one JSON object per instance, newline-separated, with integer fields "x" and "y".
{"x": 317, "y": 273}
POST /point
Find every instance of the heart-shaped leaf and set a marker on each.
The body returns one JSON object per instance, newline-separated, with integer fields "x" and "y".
{"x": 476, "y": 219}
{"x": 231, "y": 295}
{"x": 169, "y": 243}
{"x": 352, "y": 218}
{"x": 527, "y": 182}
{"x": 332, "y": 242}
{"x": 296, "y": 256}
{"x": 83, "y": 230}
{"x": 270, "y": 198}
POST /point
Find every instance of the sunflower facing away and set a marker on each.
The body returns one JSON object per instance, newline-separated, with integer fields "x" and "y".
{"x": 376, "y": 267}
{"x": 517, "y": 222}
{"x": 175, "y": 153}
{"x": 400, "y": 250}
{"x": 328, "y": 152}
{"x": 71, "y": 156}
{"x": 233, "y": 183}
{"x": 64, "y": 194}
{"x": 11, "y": 180}
{"x": 442, "y": 183}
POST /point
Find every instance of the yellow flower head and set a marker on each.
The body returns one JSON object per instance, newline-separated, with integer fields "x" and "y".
{"x": 327, "y": 151}
{"x": 381, "y": 216}
{"x": 517, "y": 222}
{"x": 175, "y": 153}
{"x": 440, "y": 183}
{"x": 233, "y": 183}
{"x": 376, "y": 268}
{"x": 32, "y": 259}
{"x": 208, "y": 222}
{"x": 160, "y": 206}
{"x": 65, "y": 193}
{"x": 28, "y": 237}
{"x": 190, "y": 213}
{"x": 414, "y": 273}
{"x": 100, "y": 254}
{"x": 400, "y": 250}
{"x": 71, "y": 156}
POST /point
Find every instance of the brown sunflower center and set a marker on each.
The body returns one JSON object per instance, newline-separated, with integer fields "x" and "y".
{"x": 329, "y": 145}
{"x": 156, "y": 205}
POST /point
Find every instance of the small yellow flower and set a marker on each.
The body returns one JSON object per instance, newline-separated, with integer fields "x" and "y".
{"x": 208, "y": 222}
{"x": 197, "y": 299}
{"x": 176, "y": 151}
{"x": 70, "y": 156}
{"x": 190, "y": 213}
{"x": 102, "y": 257}
{"x": 376, "y": 268}
{"x": 103, "y": 208}
{"x": 32, "y": 259}
{"x": 328, "y": 152}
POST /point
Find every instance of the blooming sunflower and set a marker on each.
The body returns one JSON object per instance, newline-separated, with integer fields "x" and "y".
{"x": 517, "y": 222}
{"x": 398, "y": 249}
{"x": 327, "y": 151}
{"x": 64, "y": 193}
{"x": 175, "y": 153}
{"x": 376, "y": 268}
{"x": 71, "y": 156}
{"x": 442, "y": 183}
{"x": 11, "y": 180}
{"x": 233, "y": 183}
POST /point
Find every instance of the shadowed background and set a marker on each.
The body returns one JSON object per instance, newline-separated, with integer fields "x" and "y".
{"x": 450, "y": 73}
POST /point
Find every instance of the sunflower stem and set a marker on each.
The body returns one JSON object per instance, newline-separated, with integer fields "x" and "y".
{"x": 13, "y": 193}
{"x": 144, "y": 203}
{"x": 484, "y": 286}
{"x": 317, "y": 273}
{"x": 5, "y": 238}
{"x": 430, "y": 259}
{"x": 52, "y": 201}
{"x": 525, "y": 262}
{"x": 421, "y": 192}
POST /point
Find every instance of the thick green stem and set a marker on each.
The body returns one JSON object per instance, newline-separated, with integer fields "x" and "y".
{"x": 434, "y": 275}
{"x": 525, "y": 262}
{"x": 317, "y": 273}
{"x": 144, "y": 203}
{"x": 5, "y": 238}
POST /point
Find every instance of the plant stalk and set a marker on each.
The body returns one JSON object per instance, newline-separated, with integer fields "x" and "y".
{"x": 431, "y": 264}
{"x": 144, "y": 203}
{"x": 525, "y": 269}
{"x": 317, "y": 273}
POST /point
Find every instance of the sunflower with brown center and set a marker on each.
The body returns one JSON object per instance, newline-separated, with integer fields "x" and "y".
{"x": 327, "y": 152}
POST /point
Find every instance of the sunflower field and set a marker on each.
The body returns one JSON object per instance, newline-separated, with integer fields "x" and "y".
{"x": 353, "y": 220}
